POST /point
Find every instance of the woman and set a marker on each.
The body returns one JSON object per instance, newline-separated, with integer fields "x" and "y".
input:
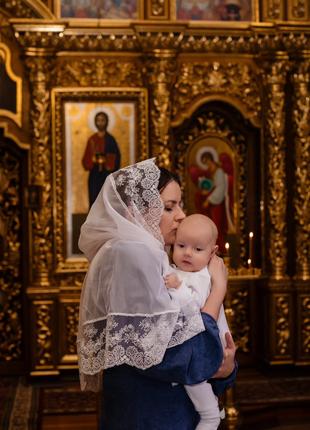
{"x": 129, "y": 325}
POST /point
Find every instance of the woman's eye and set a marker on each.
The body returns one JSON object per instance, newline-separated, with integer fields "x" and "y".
{"x": 198, "y": 249}
{"x": 180, "y": 245}
{"x": 168, "y": 209}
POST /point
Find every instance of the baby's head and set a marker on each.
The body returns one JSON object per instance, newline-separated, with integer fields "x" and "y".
{"x": 195, "y": 243}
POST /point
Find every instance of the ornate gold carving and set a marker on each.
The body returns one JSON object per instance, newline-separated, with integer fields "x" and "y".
{"x": 142, "y": 38}
{"x": 98, "y": 72}
{"x": 56, "y": 38}
{"x": 72, "y": 318}
{"x": 19, "y": 9}
{"x": 64, "y": 264}
{"x": 215, "y": 124}
{"x": 305, "y": 326}
{"x": 273, "y": 11}
{"x": 5, "y": 56}
{"x": 44, "y": 342}
{"x": 158, "y": 9}
{"x": 160, "y": 71}
{"x": 232, "y": 80}
{"x": 40, "y": 71}
{"x": 298, "y": 9}
{"x": 282, "y": 327}
{"x": 274, "y": 129}
{"x": 238, "y": 312}
{"x": 301, "y": 115}
{"x": 10, "y": 249}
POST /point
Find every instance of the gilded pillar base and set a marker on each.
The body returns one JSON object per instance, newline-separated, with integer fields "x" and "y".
{"x": 279, "y": 322}
{"x": 302, "y": 349}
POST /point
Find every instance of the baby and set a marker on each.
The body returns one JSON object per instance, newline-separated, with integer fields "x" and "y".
{"x": 194, "y": 247}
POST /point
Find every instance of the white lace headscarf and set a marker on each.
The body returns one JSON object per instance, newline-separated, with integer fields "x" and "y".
{"x": 126, "y": 313}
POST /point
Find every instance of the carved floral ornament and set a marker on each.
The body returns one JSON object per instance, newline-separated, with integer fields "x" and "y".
{"x": 138, "y": 38}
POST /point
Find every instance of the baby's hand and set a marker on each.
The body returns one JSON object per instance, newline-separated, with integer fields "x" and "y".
{"x": 172, "y": 281}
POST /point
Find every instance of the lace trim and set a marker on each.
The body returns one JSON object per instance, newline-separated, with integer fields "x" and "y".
{"x": 137, "y": 188}
{"x": 137, "y": 341}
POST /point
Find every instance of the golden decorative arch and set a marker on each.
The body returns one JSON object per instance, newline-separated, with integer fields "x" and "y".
{"x": 42, "y": 10}
{"x": 11, "y": 134}
{"x": 5, "y": 55}
{"x": 231, "y": 100}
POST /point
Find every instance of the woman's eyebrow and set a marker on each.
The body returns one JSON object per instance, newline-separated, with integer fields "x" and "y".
{"x": 171, "y": 201}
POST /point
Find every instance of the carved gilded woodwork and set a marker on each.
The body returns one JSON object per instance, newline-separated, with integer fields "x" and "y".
{"x": 5, "y": 58}
{"x": 181, "y": 38}
{"x": 274, "y": 133}
{"x": 240, "y": 318}
{"x": 41, "y": 172}
{"x": 300, "y": 117}
{"x": 273, "y": 10}
{"x": 298, "y": 9}
{"x": 69, "y": 312}
{"x": 20, "y": 9}
{"x": 181, "y": 66}
{"x": 10, "y": 258}
{"x": 28, "y": 9}
{"x": 43, "y": 331}
{"x": 282, "y": 325}
{"x": 305, "y": 326}
{"x": 235, "y": 83}
{"x": 157, "y": 9}
{"x": 99, "y": 72}
{"x": 160, "y": 75}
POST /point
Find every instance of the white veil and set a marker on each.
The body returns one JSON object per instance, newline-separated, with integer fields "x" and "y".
{"x": 126, "y": 313}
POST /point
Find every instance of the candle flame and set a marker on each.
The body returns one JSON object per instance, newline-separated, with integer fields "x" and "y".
{"x": 251, "y": 234}
{"x": 227, "y": 246}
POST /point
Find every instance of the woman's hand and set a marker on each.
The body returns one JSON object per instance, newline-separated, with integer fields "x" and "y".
{"x": 228, "y": 363}
{"x": 218, "y": 274}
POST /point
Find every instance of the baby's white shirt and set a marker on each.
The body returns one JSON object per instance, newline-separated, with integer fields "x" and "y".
{"x": 197, "y": 286}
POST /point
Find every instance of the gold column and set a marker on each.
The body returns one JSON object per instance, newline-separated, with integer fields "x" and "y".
{"x": 160, "y": 70}
{"x": 39, "y": 68}
{"x": 274, "y": 135}
{"x": 301, "y": 118}
{"x": 278, "y": 300}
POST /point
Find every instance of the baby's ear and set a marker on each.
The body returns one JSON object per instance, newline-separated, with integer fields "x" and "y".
{"x": 214, "y": 251}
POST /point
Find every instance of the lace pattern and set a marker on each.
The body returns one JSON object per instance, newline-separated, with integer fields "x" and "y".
{"x": 137, "y": 188}
{"x": 137, "y": 341}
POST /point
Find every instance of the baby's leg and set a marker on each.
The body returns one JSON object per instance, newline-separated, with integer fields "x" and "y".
{"x": 206, "y": 405}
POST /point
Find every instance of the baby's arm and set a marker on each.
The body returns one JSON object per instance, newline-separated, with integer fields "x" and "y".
{"x": 172, "y": 281}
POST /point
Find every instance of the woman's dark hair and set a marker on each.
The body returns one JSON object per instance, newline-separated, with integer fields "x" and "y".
{"x": 165, "y": 177}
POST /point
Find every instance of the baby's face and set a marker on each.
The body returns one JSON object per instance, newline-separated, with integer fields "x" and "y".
{"x": 193, "y": 248}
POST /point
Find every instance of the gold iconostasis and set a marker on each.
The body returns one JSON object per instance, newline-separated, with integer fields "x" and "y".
{"x": 218, "y": 91}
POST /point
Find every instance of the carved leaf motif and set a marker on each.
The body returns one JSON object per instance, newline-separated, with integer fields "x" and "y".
{"x": 10, "y": 245}
{"x": 202, "y": 79}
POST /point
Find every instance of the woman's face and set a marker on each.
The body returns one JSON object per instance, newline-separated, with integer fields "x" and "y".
{"x": 173, "y": 213}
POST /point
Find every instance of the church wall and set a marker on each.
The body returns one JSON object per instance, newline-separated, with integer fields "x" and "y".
{"x": 189, "y": 84}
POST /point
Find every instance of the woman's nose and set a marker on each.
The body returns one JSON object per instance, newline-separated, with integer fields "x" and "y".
{"x": 180, "y": 215}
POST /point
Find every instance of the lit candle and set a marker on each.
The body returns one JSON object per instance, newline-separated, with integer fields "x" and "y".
{"x": 251, "y": 235}
{"x": 249, "y": 263}
{"x": 227, "y": 248}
